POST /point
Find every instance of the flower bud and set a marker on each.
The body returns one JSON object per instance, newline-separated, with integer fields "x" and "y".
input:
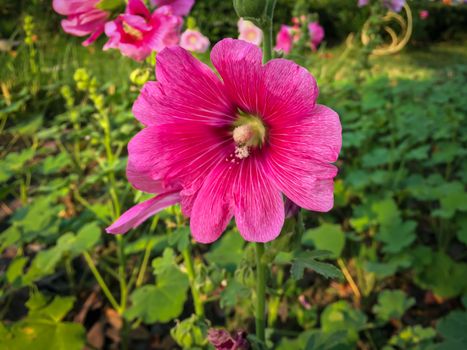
{"x": 250, "y": 9}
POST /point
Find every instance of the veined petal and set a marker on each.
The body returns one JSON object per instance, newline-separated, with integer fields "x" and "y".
{"x": 191, "y": 92}
{"x": 212, "y": 212}
{"x": 239, "y": 64}
{"x": 288, "y": 92}
{"x": 136, "y": 215}
{"x": 259, "y": 207}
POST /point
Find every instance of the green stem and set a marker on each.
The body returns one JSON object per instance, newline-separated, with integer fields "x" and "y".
{"x": 198, "y": 303}
{"x": 260, "y": 292}
{"x": 121, "y": 273}
{"x": 101, "y": 281}
{"x": 267, "y": 31}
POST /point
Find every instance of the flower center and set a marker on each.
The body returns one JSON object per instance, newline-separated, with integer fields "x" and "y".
{"x": 132, "y": 31}
{"x": 249, "y": 132}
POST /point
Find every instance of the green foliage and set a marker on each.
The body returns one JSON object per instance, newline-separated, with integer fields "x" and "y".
{"x": 163, "y": 301}
{"x": 326, "y": 237}
{"x": 310, "y": 260}
{"x": 452, "y": 329}
{"x": 44, "y": 328}
{"x": 392, "y": 305}
{"x": 340, "y": 316}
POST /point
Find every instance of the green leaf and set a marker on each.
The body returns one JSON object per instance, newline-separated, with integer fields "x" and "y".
{"x": 328, "y": 341}
{"x": 110, "y": 5}
{"x": 43, "y": 328}
{"x": 410, "y": 337}
{"x": 308, "y": 260}
{"x": 340, "y": 316}
{"x": 326, "y": 237}
{"x": 180, "y": 238}
{"x": 227, "y": 252}
{"x": 14, "y": 163}
{"x": 52, "y": 165}
{"x": 232, "y": 293}
{"x": 462, "y": 231}
{"x": 392, "y": 304}
{"x": 397, "y": 236}
{"x": 436, "y": 271}
{"x": 163, "y": 301}
{"x": 452, "y": 328}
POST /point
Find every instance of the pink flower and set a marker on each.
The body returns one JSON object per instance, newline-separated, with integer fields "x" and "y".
{"x": 284, "y": 39}
{"x": 362, "y": 3}
{"x": 137, "y": 32}
{"x": 316, "y": 34}
{"x": 231, "y": 148}
{"x": 394, "y": 5}
{"x": 83, "y": 18}
{"x": 249, "y": 32}
{"x": 424, "y": 14}
{"x": 192, "y": 40}
{"x": 223, "y": 340}
{"x": 179, "y": 7}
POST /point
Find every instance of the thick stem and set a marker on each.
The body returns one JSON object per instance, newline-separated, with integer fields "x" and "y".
{"x": 260, "y": 292}
{"x": 198, "y": 303}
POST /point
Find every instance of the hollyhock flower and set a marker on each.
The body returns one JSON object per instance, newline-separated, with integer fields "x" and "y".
{"x": 284, "y": 39}
{"x": 394, "y": 5}
{"x": 223, "y": 340}
{"x": 231, "y": 148}
{"x": 83, "y": 18}
{"x": 424, "y": 14}
{"x": 316, "y": 34}
{"x": 362, "y": 3}
{"x": 192, "y": 40}
{"x": 249, "y": 32}
{"x": 179, "y": 7}
{"x": 137, "y": 32}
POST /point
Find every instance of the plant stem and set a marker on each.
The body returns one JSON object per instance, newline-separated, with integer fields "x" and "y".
{"x": 101, "y": 281}
{"x": 267, "y": 31}
{"x": 198, "y": 303}
{"x": 260, "y": 292}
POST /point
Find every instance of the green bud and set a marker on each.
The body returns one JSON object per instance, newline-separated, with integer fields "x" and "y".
{"x": 250, "y": 9}
{"x": 190, "y": 333}
{"x": 140, "y": 76}
{"x": 191, "y": 23}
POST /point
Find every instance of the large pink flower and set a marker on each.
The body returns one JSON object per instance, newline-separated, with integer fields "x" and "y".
{"x": 137, "y": 32}
{"x": 180, "y": 7}
{"x": 194, "y": 41}
{"x": 232, "y": 148}
{"x": 83, "y": 18}
{"x": 285, "y": 39}
{"x": 316, "y": 34}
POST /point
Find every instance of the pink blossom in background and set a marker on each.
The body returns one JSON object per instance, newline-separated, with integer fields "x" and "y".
{"x": 83, "y": 18}
{"x": 394, "y": 5}
{"x": 194, "y": 41}
{"x": 284, "y": 39}
{"x": 316, "y": 34}
{"x": 424, "y": 14}
{"x": 234, "y": 148}
{"x": 249, "y": 32}
{"x": 362, "y": 3}
{"x": 180, "y": 7}
{"x": 137, "y": 32}
{"x": 223, "y": 340}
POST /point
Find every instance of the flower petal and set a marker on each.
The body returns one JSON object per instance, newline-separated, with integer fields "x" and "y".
{"x": 211, "y": 212}
{"x": 239, "y": 64}
{"x": 288, "y": 92}
{"x": 317, "y": 137}
{"x": 259, "y": 207}
{"x": 144, "y": 108}
{"x": 142, "y": 211}
{"x": 190, "y": 91}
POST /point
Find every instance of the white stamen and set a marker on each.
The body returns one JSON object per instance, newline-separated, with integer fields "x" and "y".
{"x": 242, "y": 152}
